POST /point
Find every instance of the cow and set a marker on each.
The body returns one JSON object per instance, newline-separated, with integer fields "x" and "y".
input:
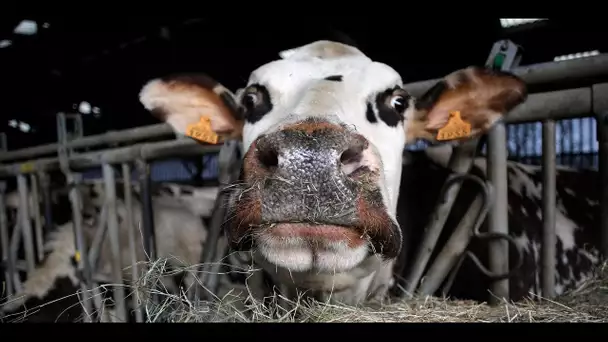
{"x": 327, "y": 203}
{"x": 180, "y": 235}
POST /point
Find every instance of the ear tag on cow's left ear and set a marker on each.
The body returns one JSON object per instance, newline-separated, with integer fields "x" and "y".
{"x": 455, "y": 128}
{"x": 202, "y": 131}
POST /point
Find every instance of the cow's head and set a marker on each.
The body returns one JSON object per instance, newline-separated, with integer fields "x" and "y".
{"x": 324, "y": 129}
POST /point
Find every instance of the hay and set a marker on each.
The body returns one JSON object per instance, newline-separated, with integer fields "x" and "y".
{"x": 588, "y": 303}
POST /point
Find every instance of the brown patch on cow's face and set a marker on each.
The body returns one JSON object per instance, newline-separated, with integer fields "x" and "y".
{"x": 253, "y": 170}
{"x": 246, "y": 215}
{"x": 309, "y": 127}
{"x": 378, "y": 226}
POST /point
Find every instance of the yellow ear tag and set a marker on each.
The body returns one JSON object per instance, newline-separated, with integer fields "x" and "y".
{"x": 455, "y": 128}
{"x": 202, "y": 131}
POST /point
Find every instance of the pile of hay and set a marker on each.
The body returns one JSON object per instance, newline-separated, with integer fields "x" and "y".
{"x": 589, "y": 303}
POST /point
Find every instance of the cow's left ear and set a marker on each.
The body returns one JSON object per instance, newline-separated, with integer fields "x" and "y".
{"x": 464, "y": 105}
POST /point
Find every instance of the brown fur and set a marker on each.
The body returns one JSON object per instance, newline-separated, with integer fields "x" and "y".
{"x": 310, "y": 127}
{"x": 482, "y": 96}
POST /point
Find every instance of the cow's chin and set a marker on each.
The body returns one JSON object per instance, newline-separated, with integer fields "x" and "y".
{"x": 301, "y": 247}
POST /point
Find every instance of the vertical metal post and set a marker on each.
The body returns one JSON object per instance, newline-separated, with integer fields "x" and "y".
{"x": 549, "y": 202}
{"x": 26, "y": 225}
{"x": 126, "y": 171}
{"x": 45, "y": 185}
{"x": 498, "y": 215}
{"x": 229, "y": 165}
{"x": 82, "y": 263}
{"x": 37, "y": 218}
{"x": 9, "y": 267}
{"x": 83, "y": 266}
{"x": 149, "y": 236}
{"x": 114, "y": 235}
{"x": 602, "y": 134}
{"x": 143, "y": 169}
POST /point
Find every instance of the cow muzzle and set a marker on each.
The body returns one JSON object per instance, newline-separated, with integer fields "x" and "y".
{"x": 311, "y": 199}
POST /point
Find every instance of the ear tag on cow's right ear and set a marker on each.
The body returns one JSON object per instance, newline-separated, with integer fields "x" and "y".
{"x": 455, "y": 128}
{"x": 202, "y": 131}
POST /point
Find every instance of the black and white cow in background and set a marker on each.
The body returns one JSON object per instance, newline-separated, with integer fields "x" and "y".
{"x": 180, "y": 234}
{"x": 327, "y": 203}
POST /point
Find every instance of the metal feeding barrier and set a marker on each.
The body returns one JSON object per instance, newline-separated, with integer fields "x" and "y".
{"x": 491, "y": 202}
{"x": 546, "y": 107}
{"x": 69, "y": 162}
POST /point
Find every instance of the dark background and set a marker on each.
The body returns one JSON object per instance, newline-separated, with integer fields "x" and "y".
{"x": 106, "y": 61}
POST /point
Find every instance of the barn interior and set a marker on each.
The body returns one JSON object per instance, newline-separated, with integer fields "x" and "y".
{"x": 94, "y": 68}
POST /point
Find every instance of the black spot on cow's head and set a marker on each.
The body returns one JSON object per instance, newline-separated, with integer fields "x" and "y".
{"x": 255, "y": 103}
{"x": 369, "y": 114}
{"x": 335, "y": 78}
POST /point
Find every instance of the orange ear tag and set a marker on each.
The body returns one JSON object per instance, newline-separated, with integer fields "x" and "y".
{"x": 455, "y": 128}
{"x": 202, "y": 131}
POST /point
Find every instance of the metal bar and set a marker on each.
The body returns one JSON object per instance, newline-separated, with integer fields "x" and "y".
{"x": 555, "y": 105}
{"x": 82, "y": 263}
{"x": 37, "y": 219}
{"x": 550, "y": 72}
{"x": 128, "y": 135}
{"x": 4, "y": 243}
{"x": 229, "y": 166}
{"x": 25, "y": 222}
{"x": 126, "y": 172}
{"x": 460, "y": 162}
{"x": 45, "y": 184}
{"x": 13, "y": 248}
{"x": 498, "y": 215}
{"x": 549, "y": 202}
{"x": 149, "y": 236}
{"x": 146, "y": 151}
{"x": 145, "y": 185}
{"x": 456, "y": 245}
{"x": 114, "y": 235}
{"x": 599, "y": 108}
{"x": 100, "y": 236}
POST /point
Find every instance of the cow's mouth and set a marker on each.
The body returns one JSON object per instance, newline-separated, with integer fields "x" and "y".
{"x": 317, "y": 233}
{"x": 311, "y": 246}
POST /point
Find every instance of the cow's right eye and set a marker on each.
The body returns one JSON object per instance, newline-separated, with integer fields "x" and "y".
{"x": 250, "y": 99}
{"x": 255, "y": 102}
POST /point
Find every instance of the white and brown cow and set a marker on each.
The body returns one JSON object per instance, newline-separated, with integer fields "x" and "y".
{"x": 324, "y": 130}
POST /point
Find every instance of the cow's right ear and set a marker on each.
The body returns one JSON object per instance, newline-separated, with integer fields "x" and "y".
{"x": 182, "y": 100}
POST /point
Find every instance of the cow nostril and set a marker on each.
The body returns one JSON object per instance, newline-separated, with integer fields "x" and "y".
{"x": 351, "y": 158}
{"x": 269, "y": 158}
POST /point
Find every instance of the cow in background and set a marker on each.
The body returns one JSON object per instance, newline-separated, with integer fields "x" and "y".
{"x": 577, "y": 217}
{"x": 180, "y": 234}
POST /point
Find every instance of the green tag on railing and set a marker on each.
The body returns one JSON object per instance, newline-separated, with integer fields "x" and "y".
{"x": 498, "y": 61}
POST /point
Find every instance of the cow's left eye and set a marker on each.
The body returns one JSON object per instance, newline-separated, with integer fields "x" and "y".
{"x": 398, "y": 103}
